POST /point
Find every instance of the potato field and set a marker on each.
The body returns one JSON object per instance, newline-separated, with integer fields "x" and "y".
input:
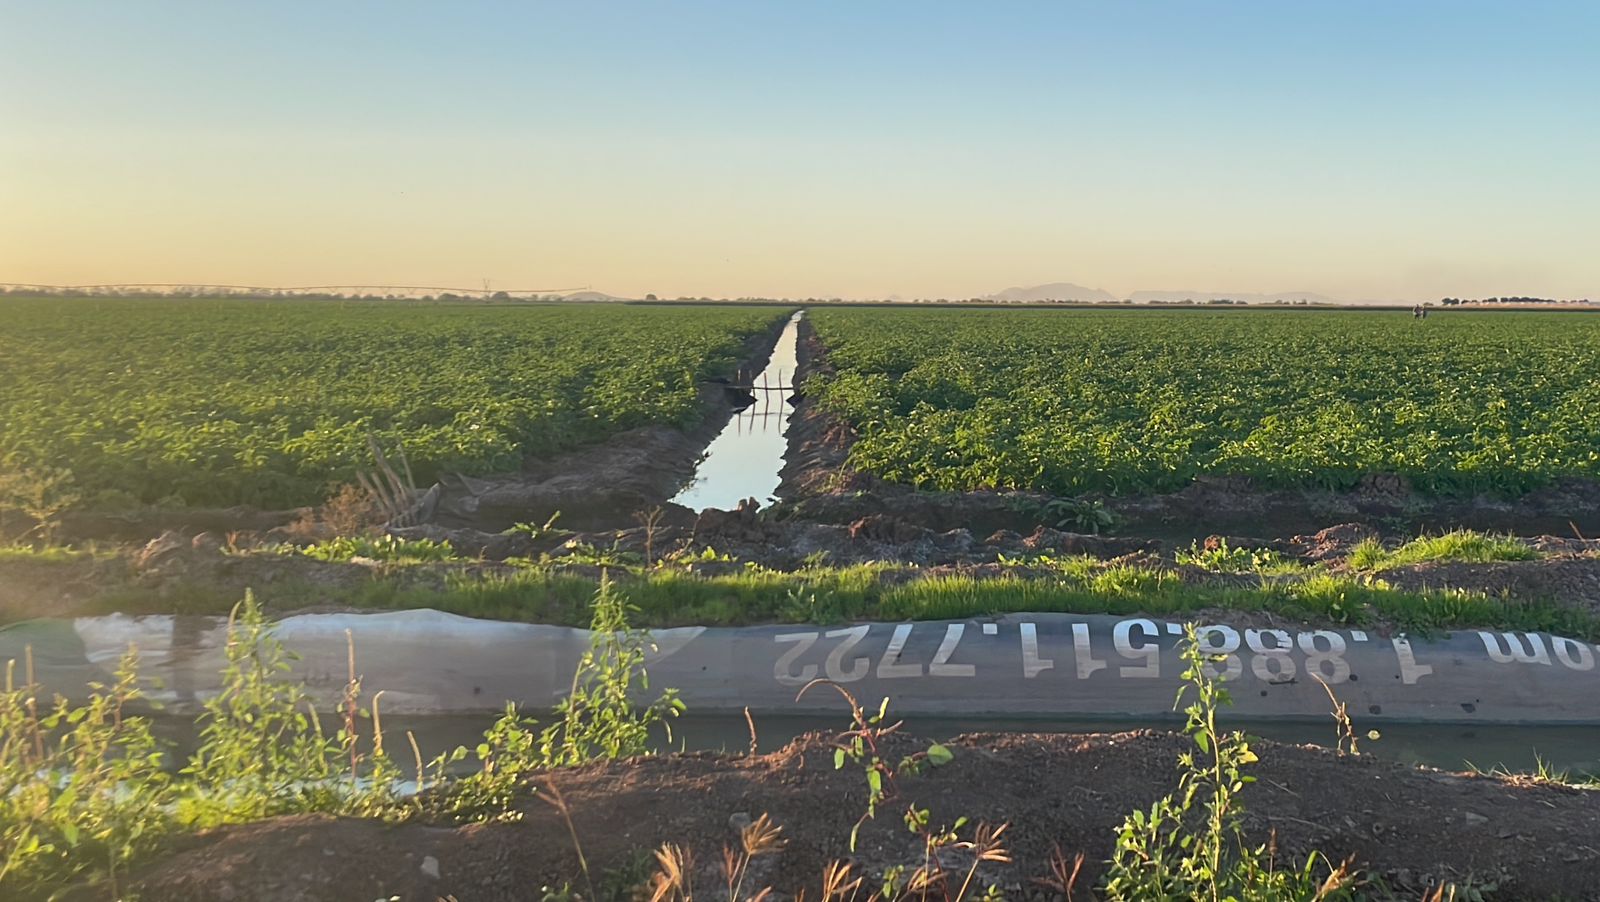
{"x": 217, "y": 402}
{"x": 1130, "y": 401}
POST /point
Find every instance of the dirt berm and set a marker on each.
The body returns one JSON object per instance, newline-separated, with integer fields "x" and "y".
{"x": 1406, "y": 827}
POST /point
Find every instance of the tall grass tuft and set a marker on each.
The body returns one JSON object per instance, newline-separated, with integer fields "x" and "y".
{"x": 1462, "y": 545}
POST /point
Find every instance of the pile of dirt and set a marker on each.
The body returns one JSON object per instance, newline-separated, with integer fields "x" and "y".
{"x": 1409, "y": 827}
{"x": 1331, "y": 544}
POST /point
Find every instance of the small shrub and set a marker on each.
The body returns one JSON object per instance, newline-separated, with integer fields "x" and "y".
{"x": 263, "y": 750}
{"x": 40, "y": 494}
{"x": 1190, "y": 844}
{"x": 350, "y": 511}
{"x": 597, "y": 719}
{"x": 82, "y": 787}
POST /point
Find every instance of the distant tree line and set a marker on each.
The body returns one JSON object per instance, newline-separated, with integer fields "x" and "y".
{"x": 1456, "y": 302}
{"x": 228, "y": 291}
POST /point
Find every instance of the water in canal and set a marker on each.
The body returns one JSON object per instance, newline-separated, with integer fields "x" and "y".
{"x": 743, "y": 461}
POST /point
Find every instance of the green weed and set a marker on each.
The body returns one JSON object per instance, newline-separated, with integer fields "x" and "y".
{"x": 82, "y": 787}
{"x": 1224, "y": 558}
{"x": 1191, "y": 844}
{"x": 597, "y": 719}
{"x": 387, "y": 549}
{"x": 263, "y": 750}
{"x": 1463, "y": 545}
{"x": 45, "y": 554}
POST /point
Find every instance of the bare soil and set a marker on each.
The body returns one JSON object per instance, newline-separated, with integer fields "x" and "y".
{"x": 1407, "y": 828}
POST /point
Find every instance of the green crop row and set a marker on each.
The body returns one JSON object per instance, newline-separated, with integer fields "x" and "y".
{"x": 1071, "y": 401}
{"x": 213, "y": 402}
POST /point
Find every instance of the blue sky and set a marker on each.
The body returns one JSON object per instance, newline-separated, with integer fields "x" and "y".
{"x": 1362, "y": 150}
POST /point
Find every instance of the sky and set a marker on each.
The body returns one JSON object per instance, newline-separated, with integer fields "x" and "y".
{"x": 1362, "y": 150}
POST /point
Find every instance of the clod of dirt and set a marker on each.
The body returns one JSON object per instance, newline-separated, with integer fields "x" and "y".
{"x": 165, "y": 547}
{"x": 1046, "y": 539}
{"x": 887, "y": 529}
{"x": 1329, "y": 544}
{"x": 719, "y": 528}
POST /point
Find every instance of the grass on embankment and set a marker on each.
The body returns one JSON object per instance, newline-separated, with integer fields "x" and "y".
{"x": 669, "y": 596}
{"x": 1462, "y": 545}
{"x": 47, "y": 554}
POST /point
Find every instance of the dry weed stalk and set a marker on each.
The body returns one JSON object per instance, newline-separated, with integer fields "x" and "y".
{"x": 393, "y": 490}
{"x": 759, "y": 837}
{"x": 416, "y": 752}
{"x": 1347, "y": 742}
{"x": 651, "y": 521}
{"x": 1063, "y": 874}
{"x": 984, "y": 846}
{"x": 556, "y": 801}
{"x": 673, "y": 880}
{"x": 839, "y": 881}
{"x": 1339, "y": 879}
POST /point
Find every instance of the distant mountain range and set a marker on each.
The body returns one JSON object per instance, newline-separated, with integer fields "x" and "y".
{"x": 1068, "y": 291}
{"x": 1055, "y": 291}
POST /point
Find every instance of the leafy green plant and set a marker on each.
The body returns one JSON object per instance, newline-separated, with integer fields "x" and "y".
{"x": 537, "y": 531}
{"x": 40, "y": 493}
{"x": 1128, "y": 402}
{"x": 388, "y": 549}
{"x": 597, "y": 719}
{"x": 611, "y": 558}
{"x": 83, "y": 790}
{"x": 1082, "y": 515}
{"x": 1224, "y": 558}
{"x": 863, "y": 746}
{"x": 709, "y": 555}
{"x": 1191, "y": 844}
{"x": 263, "y": 749}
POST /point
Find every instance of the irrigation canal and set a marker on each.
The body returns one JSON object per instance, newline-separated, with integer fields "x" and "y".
{"x": 744, "y": 460}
